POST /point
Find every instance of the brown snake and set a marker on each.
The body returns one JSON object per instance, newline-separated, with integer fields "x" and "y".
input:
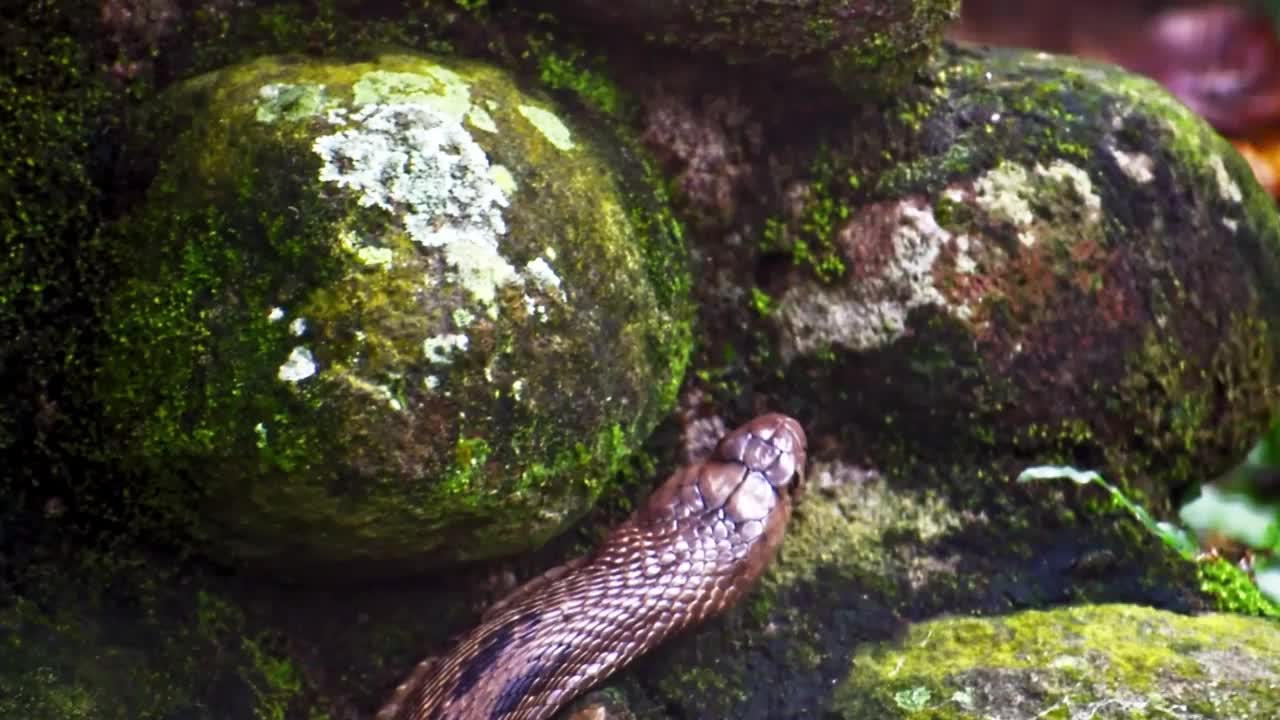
{"x": 697, "y": 544}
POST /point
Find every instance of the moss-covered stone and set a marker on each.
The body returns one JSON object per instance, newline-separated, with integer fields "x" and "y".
{"x": 115, "y": 634}
{"x": 1041, "y": 256}
{"x": 854, "y": 44}
{"x": 1023, "y": 260}
{"x": 1109, "y": 661}
{"x": 387, "y": 315}
{"x": 54, "y": 110}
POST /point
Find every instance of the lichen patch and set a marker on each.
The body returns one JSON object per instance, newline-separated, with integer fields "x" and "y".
{"x": 481, "y": 120}
{"x": 1230, "y": 190}
{"x": 1011, "y": 193}
{"x": 1000, "y": 191}
{"x": 549, "y": 124}
{"x": 299, "y": 366}
{"x": 1138, "y": 166}
{"x": 503, "y": 178}
{"x": 425, "y": 168}
{"x": 435, "y": 87}
{"x": 1064, "y": 172}
{"x": 439, "y": 348}
{"x": 539, "y": 270}
{"x": 893, "y": 275}
{"x": 287, "y": 101}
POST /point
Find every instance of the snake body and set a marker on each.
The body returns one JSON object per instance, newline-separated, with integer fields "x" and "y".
{"x": 695, "y": 546}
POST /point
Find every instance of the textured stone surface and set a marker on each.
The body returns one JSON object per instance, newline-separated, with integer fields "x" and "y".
{"x": 387, "y": 315}
{"x": 1105, "y": 661}
{"x": 853, "y": 44}
{"x": 1057, "y": 259}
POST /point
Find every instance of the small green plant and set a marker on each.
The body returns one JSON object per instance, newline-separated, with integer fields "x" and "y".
{"x": 1175, "y": 537}
{"x": 1236, "y": 518}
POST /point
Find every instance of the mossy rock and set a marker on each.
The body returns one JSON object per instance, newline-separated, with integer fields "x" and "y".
{"x": 1025, "y": 260}
{"x": 54, "y": 110}
{"x": 854, "y": 44}
{"x": 116, "y": 634}
{"x": 1034, "y": 255}
{"x": 384, "y": 316}
{"x": 1107, "y": 661}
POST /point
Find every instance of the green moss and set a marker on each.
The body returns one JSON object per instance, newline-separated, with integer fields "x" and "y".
{"x": 1183, "y": 416}
{"x": 259, "y": 370}
{"x": 469, "y": 456}
{"x": 1233, "y": 590}
{"x": 55, "y": 108}
{"x": 1052, "y": 664}
{"x": 277, "y": 680}
{"x": 114, "y": 634}
{"x": 761, "y": 303}
{"x": 569, "y": 71}
{"x": 810, "y": 238}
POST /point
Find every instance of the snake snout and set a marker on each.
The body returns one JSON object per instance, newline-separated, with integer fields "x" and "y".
{"x": 773, "y": 445}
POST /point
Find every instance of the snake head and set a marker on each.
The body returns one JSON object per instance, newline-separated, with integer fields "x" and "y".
{"x": 772, "y": 445}
{"x": 751, "y": 478}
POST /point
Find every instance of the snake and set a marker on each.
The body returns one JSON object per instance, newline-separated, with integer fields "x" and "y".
{"x": 689, "y": 551}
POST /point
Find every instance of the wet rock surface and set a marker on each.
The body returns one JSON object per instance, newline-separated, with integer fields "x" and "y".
{"x": 858, "y": 45}
{"x": 1103, "y": 661}
{"x": 359, "y": 293}
{"x": 1012, "y": 260}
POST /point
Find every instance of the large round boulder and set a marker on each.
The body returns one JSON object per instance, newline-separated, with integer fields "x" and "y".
{"x": 386, "y": 315}
{"x": 1038, "y": 256}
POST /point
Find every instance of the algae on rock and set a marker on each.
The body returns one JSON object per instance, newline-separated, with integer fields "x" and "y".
{"x": 1039, "y": 261}
{"x": 1105, "y": 661}
{"x": 1043, "y": 255}
{"x": 858, "y": 45}
{"x": 384, "y": 316}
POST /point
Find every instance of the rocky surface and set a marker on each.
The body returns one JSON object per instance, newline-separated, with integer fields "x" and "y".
{"x": 1011, "y": 260}
{"x": 1102, "y": 661}
{"x": 859, "y": 45}
{"x": 388, "y": 315}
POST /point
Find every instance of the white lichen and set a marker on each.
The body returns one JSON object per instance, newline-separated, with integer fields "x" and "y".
{"x": 540, "y": 272}
{"x": 436, "y": 87}
{"x": 424, "y": 168}
{"x": 379, "y": 392}
{"x": 964, "y": 261}
{"x": 276, "y": 314}
{"x": 1226, "y": 185}
{"x": 481, "y": 120}
{"x": 1062, "y": 171}
{"x": 1000, "y": 192}
{"x": 549, "y": 124}
{"x": 437, "y": 349}
{"x": 463, "y": 317}
{"x": 285, "y": 101}
{"x": 1138, "y": 166}
{"x": 369, "y": 255}
{"x": 299, "y": 366}
{"x": 1006, "y": 193}
{"x": 873, "y": 312}
{"x": 503, "y": 178}
{"x": 298, "y": 327}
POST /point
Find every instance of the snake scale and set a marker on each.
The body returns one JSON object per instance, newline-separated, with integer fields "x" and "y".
{"x": 694, "y": 547}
